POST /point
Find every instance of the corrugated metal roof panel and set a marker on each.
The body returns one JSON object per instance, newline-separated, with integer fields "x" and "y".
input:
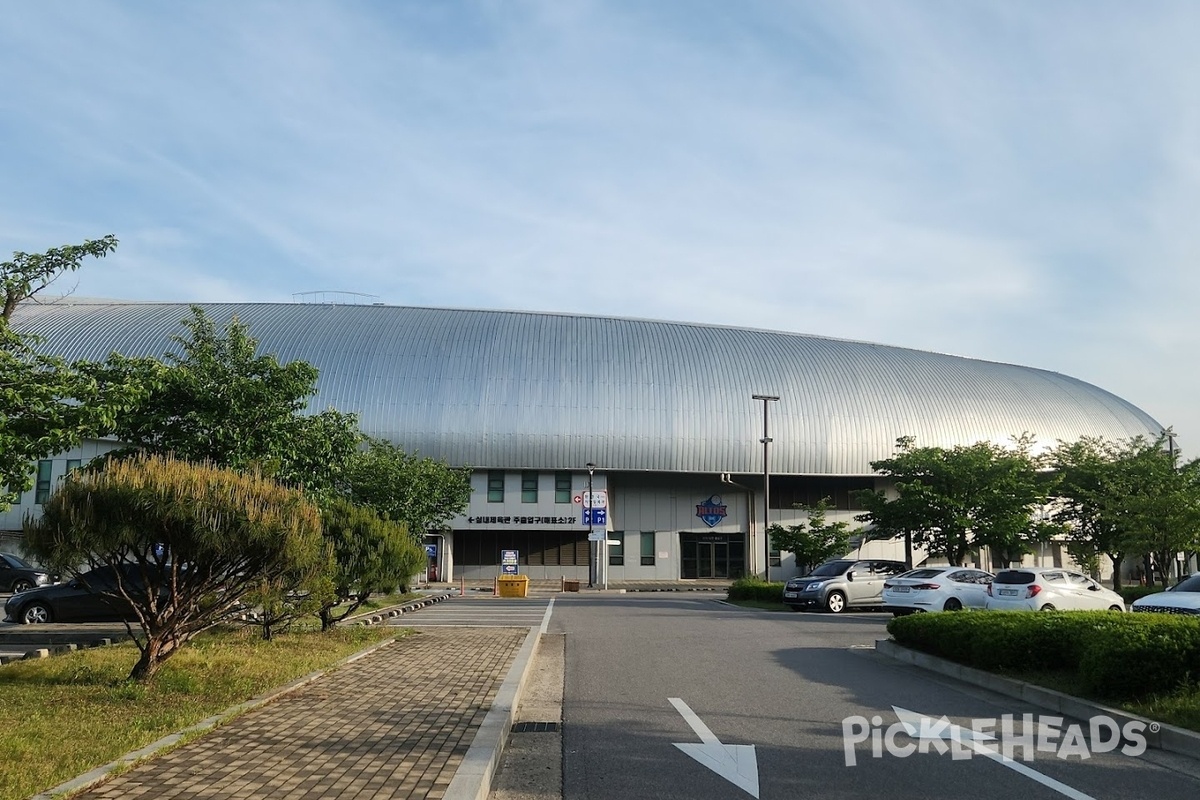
{"x": 554, "y": 391}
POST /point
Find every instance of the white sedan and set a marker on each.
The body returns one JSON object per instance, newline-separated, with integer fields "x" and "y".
{"x": 936, "y": 589}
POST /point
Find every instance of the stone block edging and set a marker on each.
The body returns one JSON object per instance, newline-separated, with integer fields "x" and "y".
{"x": 1159, "y": 735}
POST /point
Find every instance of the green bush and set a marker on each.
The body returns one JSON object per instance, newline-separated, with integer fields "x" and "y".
{"x": 1131, "y": 593}
{"x": 1113, "y": 655}
{"x": 1133, "y": 661}
{"x": 756, "y": 589}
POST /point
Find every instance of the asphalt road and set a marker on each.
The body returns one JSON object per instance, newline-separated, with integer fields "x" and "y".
{"x": 785, "y": 683}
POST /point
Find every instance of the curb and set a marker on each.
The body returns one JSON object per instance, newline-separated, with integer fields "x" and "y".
{"x": 376, "y": 617}
{"x": 99, "y": 774}
{"x": 1159, "y": 735}
{"x": 473, "y": 778}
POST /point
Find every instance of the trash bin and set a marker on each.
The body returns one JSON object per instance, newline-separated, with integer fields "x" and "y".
{"x": 513, "y": 585}
{"x": 570, "y": 586}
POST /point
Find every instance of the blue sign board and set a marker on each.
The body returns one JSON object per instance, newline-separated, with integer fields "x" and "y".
{"x": 431, "y": 550}
{"x": 508, "y": 562}
{"x": 595, "y": 516}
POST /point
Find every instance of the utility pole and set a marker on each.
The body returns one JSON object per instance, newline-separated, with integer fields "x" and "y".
{"x": 766, "y": 521}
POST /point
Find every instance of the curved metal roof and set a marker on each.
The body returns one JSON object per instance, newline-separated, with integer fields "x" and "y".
{"x": 553, "y": 391}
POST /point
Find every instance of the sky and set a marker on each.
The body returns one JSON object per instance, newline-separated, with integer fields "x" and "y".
{"x": 1013, "y": 181}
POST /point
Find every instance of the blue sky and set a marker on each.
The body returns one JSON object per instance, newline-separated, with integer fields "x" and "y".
{"x": 1012, "y": 181}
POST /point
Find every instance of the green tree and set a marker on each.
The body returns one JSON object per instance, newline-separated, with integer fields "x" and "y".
{"x": 201, "y": 538}
{"x": 814, "y": 540}
{"x": 47, "y": 405}
{"x": 218, "y": 400}
{"x": 953, "y": 500}
{"x": 420, "y": 492}
{"x": 1127, "y": 498}
{"x": 370, "y": 555}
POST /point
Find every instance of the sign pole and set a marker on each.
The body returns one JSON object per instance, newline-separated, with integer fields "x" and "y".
{"x": 587, "y": 509}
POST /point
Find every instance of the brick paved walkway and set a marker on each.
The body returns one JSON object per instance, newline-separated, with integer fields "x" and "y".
{"x": 395, "y": 724}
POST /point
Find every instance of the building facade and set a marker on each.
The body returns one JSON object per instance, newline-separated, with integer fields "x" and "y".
{"x": 665, "y": 413}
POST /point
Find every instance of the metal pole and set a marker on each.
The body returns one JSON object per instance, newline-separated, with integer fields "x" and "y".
{"x": 766, "y": 523}
{"x": 591, "y": 468}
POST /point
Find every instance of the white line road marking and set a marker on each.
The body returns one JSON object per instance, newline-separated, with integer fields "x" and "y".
{"x": 546, "y": 618}
{"x": 916, "y": 726}
{"x": 736, "y": 763}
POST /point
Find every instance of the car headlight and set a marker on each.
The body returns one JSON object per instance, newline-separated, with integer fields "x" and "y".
{"x": 812, "y": 587}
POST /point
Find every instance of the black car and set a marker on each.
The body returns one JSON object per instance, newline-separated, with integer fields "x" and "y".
{"x": 92, "y": 597}
{"x": 17, "y": 574}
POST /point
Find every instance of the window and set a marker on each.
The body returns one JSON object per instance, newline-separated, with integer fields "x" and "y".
{"x": 44, "y": 469}
{"x": 529, "y": 483}
{"x": 616, "y": 552}
{"x": 647, "y": 548}
{"x": 74, "y": 464}
{"x": 495, "y": 486}
{"x": 776, "y": 558}
{"x": 562, "y": 487}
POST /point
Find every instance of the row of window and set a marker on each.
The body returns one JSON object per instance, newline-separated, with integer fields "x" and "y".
{"x": 616, "y": 552}
{"x": 45, "y": 474}
{"x": 529, "y": 486}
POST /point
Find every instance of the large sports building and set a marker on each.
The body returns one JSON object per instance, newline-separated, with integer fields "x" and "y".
{"x": 665, "y": 413}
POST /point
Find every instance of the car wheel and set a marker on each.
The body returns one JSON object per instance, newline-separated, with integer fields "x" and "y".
{"x": 1115, "y": 608}
{"x": 835, "y": 603}
{"x": 36, "y": 614}
{"x": 952, "y": 605}
{"x": 1047, "y": 607}
{"x": 21, "y": 585}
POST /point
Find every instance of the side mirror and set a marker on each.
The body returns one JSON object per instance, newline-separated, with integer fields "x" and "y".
{"x": 850, "y": 575}
{"x": 73, "y": 583}
{"x": 1093, "y": 587}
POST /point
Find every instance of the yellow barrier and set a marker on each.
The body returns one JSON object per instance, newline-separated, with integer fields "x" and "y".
{"x": 513, "y": 585}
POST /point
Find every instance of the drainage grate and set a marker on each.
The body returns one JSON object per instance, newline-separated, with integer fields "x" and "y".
{"x": 535, "y": 727}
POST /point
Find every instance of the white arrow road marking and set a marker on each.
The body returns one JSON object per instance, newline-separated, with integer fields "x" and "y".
{"x": 735, "y": 763}
{"x": 916, "y": 725}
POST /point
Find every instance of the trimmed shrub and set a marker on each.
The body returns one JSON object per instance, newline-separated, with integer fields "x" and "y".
{"x": 1140, "y": 660}
{"x": 1114, "y": 655}
{"x": 1131, "y": 593}
{"x": 756, "y": 589}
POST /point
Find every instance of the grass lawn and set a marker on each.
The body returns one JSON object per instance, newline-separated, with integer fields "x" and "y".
{"x": 1180, "y": 708}
{"x": 62, "y": 716}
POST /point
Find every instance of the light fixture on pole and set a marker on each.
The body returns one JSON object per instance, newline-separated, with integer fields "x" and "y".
{"x": 766, "y": 522}
{"x": 587, "y": 509}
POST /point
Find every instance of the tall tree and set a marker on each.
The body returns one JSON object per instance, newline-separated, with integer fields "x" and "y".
{"x": 218, "y": 400}
{"x": 47, "y": 405}
{"x": 954, "y": 500}
{"x": 420, "y": 492}
{"x": 1128, "y": 498}
{"x": 814, "y": 540}
{"x": 201, "y": 538}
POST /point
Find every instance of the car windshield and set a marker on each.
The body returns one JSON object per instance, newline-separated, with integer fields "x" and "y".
{"x": 831, "y": 568}
{"x": 16, "y": 562}
{"x": 1015, "y": 576}
{"x": 921, "y": 573}
{"x": 1192, "y": 584}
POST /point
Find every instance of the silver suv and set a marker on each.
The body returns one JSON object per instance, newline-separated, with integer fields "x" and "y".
{"x": 841, "y": 584}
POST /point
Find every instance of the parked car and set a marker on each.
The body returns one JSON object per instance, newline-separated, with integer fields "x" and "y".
{"x": 17, "y": 574}
{"x": 92, "y": 597}
{"x": 1182, "y": 598}
{"x": 936, "y": 589}
{"x": 841, "y": 584}
{"x": 1049, "y": 588}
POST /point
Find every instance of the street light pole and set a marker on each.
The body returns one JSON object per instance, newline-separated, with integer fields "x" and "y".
{"x": 766, "y": 521}
{"x": 587, "y": 509}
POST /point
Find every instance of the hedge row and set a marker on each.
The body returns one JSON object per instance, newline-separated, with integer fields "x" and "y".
{"x": 756, "y": 589}
{"x": 1120, "y": 656}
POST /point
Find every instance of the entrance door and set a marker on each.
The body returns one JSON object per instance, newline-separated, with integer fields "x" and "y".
{"x": 717, "y": 556}
{"x": 712, "y": 560}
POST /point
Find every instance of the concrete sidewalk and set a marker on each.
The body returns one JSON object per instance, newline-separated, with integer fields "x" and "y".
{"x": 401, "y": 721}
